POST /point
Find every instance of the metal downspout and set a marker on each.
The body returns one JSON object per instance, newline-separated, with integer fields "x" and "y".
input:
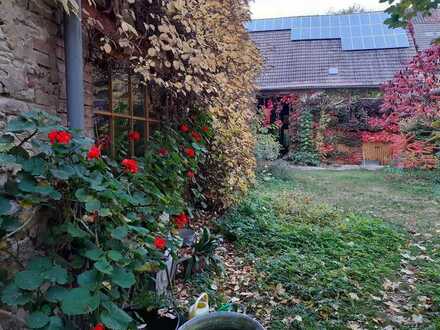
{"x": 73, "y": 50}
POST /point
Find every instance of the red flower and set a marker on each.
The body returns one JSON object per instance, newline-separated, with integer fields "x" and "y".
{"x": 196, "y": 136}
{"x": 99, "y": 326}
{"x": 130, "y": 165}
{"x": 205, "y": 129}
{"x": 94, "y": 153}
{"x": 64, "y": 137}
{"x": 61, "y": 137}
{"x": 163, "y": 152}
{"x": 181, "y": 220}
{"x": 160, "y": 243}
{"x": 190, "y": 152}
{"x": 184, "y": 128}
{"x": 190, "y": 174}
{"x": 134, "y": 136}
{"x": 52, "y": 136}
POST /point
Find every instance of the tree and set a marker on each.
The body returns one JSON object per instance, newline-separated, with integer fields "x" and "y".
{"x": 403, "y": 11}
{"x": 412, "y": 100}
{"x": 355, "y": 8}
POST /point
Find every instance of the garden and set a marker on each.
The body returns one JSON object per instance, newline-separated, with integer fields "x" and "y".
{"x": 98, "y": 233}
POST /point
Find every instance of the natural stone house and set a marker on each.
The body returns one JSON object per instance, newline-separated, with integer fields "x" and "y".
{"x": 106, "y": 101}
{"x": 33, "y": 74}
{"x": 32, "y": 66}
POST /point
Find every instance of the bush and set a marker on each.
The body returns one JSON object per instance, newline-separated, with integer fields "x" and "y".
{"x": 267, "y": 147}
{"x": 304, "y": 158}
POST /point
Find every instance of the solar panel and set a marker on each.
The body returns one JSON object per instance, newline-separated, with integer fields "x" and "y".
{"x": 361, "y": 31}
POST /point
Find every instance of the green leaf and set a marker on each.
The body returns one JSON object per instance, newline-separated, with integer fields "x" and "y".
{"x": 13, "y": 296}
{"x": 115, "y": 255}
{"x": 79, "y": 301}
{"x": 104, "y": 212}
{"x": 56, "y": 274}
{"x": 93, "y": 205}
{"x": 6, "y": 159}
{"x": 37, "y": 320}
{"x": 35, "y": 166}
{"x": 93, "y": 254}
{"x": 40, "y": 264}
{"x": 125, "y": 279}
{"x": 89, "y": 279}
{"x": 5, "y": 206}
{"x": 20, "y": 124}
{"x": 61, "y": 174}
{"x": 114, "y": 317}
{"x": 104, "y": 267}
{"x": 75, "y": 232}
{"x": 139, "y": 230}
{"x": 56, "y": 294}
{"x": 28, "y": 280}
{"x": 55, "y": 323}
{"x": 120, "y": 232}
{"x": 81, "y": 195}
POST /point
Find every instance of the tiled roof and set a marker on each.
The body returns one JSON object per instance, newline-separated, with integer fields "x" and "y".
{"x": 306, "y": 64}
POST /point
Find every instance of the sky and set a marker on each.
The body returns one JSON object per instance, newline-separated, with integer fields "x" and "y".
{"x": 280, "y": 8}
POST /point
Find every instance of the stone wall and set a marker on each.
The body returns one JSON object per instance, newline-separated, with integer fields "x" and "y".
{"x": 32, "y": 60}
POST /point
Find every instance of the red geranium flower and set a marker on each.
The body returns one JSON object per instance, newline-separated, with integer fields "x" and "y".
{"x": 130, "y": 165}
{"x": 205, "y": 129}
{"x": 196, "y": 136}
{"x": 52, "y": 136}
{"x": 99, "y": 326}
{"x": 64, "y": 137}
{"x": 61, "y": 137}
{"x": 190, "y": 152}
{"x": 94, "y": 153}
{"x": 190, "y": 174}
{"x": 181, "y": 220}
{"x": 160, "y": 243}
{"x": 134, "y": 136}
{"x": 184, "y": 128}
{"x": 163, "y": 152}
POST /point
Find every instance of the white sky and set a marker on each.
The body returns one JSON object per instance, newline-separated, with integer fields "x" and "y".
{"x": 281, "y": 8}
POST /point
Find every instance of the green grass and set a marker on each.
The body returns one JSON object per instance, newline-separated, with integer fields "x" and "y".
{"x": 331, "y": 262}
{"x": 410, "y": 198}
{"x": 330, "y": 239}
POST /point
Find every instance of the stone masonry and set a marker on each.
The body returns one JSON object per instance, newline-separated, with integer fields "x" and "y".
{"x": 32, "y": 73}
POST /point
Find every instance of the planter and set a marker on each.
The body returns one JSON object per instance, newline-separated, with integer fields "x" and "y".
{"x": 222, "y": 321}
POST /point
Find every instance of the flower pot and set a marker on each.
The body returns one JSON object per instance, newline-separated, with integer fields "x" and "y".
{"x": 222, "y": 321}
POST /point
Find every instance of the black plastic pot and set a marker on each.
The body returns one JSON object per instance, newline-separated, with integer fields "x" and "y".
{"x": 222, "y": 321}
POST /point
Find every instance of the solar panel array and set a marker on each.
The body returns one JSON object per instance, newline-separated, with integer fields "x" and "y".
{"x": 361, "y": 31}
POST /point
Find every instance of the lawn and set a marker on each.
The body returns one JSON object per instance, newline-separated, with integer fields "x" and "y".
{"x": 339, "y": 250}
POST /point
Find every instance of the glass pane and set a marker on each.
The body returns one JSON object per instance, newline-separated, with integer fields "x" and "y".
{"x": 139, "y": 146}
{"x": 122, "y": 128}
{"x": 138, "y": 97}
{"x": 101, "y": 91}
{"x": 102, "y": 133}
{"x": 154, "y": 104}
{"x": 120, "y": 93}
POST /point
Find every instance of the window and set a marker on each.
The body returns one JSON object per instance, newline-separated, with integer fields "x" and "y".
{"x": 123, "y": 104}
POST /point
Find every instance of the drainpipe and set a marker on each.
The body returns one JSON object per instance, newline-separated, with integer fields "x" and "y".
{"x": 73, "y": 51}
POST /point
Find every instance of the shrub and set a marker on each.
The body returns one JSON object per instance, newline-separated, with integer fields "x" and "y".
{"x": 304, "y": 158}
{"x": 107, "y": 223}
{"x": 267, "y": 147}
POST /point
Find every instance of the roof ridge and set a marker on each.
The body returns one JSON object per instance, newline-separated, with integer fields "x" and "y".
{"x": 316, "y": 15}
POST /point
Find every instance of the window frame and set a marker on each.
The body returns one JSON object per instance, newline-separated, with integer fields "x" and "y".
{"x": 112, "y": 116}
